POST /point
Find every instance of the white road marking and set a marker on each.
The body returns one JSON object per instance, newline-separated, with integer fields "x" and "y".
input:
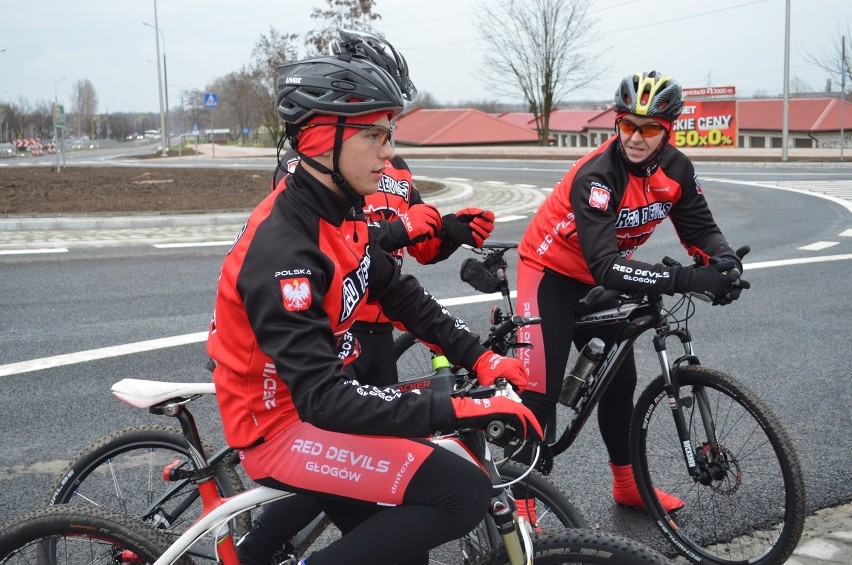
{"x": 33, "y": 251}
{"x": 150, "y": 345}
{"x": 787, "y": 262}
{"x": 192, "y": 244}
{"x": 819, "y": 245}
{"x": 793, "y": 187}
{"x": 459, "y": 179}
{"x": 847, "y": 233}
{"x": 102, "y": 353}
{"x": 508, "y": 218}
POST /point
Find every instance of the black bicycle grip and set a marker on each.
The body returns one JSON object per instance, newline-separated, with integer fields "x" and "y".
{"x": 509, "y": 325}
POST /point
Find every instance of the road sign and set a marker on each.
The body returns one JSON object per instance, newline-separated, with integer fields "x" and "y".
{"x": 211, "y": 100}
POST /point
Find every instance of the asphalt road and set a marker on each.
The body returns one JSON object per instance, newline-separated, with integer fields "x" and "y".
{"x": 787, "y": 338}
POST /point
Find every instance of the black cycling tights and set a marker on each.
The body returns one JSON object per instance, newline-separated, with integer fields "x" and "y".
{"x": 558, "y": 302}
{"x": 446, "y": 498}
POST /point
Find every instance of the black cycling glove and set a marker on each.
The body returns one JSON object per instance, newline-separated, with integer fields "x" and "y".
{"x": 715, "y": 280}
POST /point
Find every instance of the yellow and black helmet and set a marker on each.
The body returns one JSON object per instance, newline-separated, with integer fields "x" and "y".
{"x": 649, "y": 94}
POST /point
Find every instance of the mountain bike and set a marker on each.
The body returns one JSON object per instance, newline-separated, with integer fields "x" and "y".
{"x": 696, "y": 432}
{"x": 68, "y": 533}
{"x": 139, "y": 471}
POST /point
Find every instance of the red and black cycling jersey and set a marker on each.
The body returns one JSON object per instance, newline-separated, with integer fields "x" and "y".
{"x": 601, "y": 211}
{"x": 397, "y": 193}
{"x": 297, "y": 277}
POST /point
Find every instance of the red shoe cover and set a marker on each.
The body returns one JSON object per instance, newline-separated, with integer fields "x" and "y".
{"x": 625, "y": 491}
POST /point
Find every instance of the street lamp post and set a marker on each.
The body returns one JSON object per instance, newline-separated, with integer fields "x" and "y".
{"x": 107, "y": 115}
{"x": 164, "y": 133}
{"x": 56, "y": 138}
{"x": 182, "y": 108}
{"x": 165, "y": 86}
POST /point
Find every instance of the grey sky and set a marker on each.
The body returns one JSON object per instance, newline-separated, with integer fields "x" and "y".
{"x": 724, "y": 42}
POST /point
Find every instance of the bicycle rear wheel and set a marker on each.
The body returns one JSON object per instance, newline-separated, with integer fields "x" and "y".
{"x": 749, "y": 506}
{"x": 123, "y": 471}
{"x": 413, "y": 357}
{"x": 76, "y": 535}
{"x": 582, "y": 547}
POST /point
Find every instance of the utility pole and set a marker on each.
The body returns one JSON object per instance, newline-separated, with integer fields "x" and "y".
{"x": 843, "y": 68}
{"x": 163, "y": 133}
{"x": 56, "y": 139}
{"x": 785, "y": 124}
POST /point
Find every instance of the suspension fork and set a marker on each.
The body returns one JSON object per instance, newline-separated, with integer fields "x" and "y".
{"x": 671, "y": 385}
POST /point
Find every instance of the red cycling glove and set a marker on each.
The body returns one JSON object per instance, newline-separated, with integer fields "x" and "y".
{"x": 421, "y": 222}
{"x": 470, "y": 226}
{"x": 479, "y": 412}
{"x": 491, "y": 366}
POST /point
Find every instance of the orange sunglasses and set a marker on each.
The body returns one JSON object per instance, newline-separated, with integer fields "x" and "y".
{"x": 646, "y": 131}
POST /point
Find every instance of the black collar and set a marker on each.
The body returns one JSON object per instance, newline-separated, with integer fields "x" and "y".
{"x": 310, "y": 193}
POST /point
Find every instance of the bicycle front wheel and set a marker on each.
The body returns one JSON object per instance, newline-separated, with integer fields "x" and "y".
{"x": 748, "y": 504}
{"x": 582, "y": 547}
{"x": 72, "y": 535}
{"x": 123, "y": 472}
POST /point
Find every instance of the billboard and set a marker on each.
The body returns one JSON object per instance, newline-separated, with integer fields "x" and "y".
{"x": 706, "y": 123}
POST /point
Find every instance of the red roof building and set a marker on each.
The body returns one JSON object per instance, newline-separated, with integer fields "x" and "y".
{"x": 459, "y": 127}
{"x": 813, "y": 122}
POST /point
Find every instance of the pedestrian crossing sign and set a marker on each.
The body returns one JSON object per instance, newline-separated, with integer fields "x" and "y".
{"x": 211, "y": 100}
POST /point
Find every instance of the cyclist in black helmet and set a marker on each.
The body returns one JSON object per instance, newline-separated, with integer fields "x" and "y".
{"x": 585, "y": 234}
{"x": 293, "y": 282}
{"x": 402, "y": 221}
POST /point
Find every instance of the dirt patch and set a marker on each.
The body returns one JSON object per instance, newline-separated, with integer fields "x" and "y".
{"x": 40, "y": 190}
{"x": 80, "y": 190}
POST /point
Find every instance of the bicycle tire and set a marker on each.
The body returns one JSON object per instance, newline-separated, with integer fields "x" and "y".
{"x": 122, "y": 472}
{"x": 72, "y": 534}
{"x": 554, "y": 509}
{"x": 753, "y": 511}
{"x": 413, "y": 357}
{"x": 582, "y": 547}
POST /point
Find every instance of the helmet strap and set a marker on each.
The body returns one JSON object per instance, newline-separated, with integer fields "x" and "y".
{"x": 355, "y": 199}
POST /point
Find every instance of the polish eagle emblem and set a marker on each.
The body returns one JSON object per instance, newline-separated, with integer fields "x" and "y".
{"x": 296, "y": 294}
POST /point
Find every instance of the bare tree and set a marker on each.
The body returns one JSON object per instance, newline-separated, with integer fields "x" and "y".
{"x": 270, "y": 52}
{"x": 84, "y": 103}
{"x": 539, "y": 49}
{"x": 238, "y": 107}
{"x": 835, "y": 60}
{"x": 345, "y": 14}
{"x": 193, "y": 105}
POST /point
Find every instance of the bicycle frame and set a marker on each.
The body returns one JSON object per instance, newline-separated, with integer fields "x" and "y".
{"x": 637, "y": 317}
{"x": 163, "y": 398}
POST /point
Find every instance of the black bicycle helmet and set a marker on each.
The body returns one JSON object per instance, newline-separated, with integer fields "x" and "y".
{"x": 336, "y": 86}
{"x": 649, "y": 94}
{"x": 380, "y": 52}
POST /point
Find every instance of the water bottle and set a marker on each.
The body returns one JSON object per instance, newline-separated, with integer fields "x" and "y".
{"x": 588, "y": 360}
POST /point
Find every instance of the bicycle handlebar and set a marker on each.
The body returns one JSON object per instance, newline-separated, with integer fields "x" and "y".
{"x": 513, "y": 323}
{"x": 600, "y": 294}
